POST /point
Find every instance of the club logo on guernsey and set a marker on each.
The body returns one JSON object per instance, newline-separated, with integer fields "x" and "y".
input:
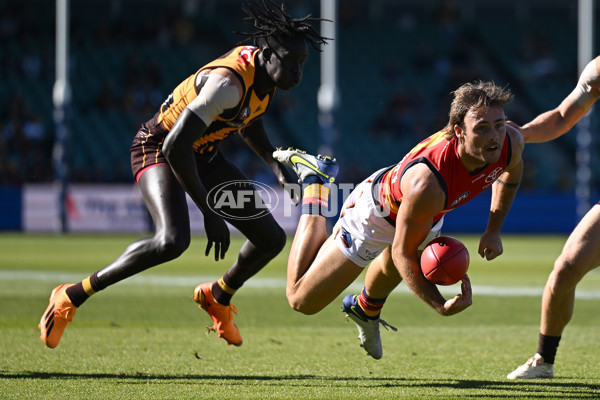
{"x": 244, "y": 113}
{"x": 239, "y": 121}
{"x": 492, "y": 176}
{"x": 245, "y": 55}
{"x": 346, "y": 238}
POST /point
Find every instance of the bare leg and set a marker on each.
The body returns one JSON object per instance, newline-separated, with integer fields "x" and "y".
{"x": 317, "y": 270}
{"x": 382, "y": 276}
{"x": 580, "y": 255}
{"x": 310, "y": 236}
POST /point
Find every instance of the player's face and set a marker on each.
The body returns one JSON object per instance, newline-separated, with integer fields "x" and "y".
{"x": 287, "y": 62}
{"x": 482, "y": 138}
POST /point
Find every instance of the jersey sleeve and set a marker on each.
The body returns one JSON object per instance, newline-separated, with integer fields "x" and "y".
{"x": 216, "y": 95}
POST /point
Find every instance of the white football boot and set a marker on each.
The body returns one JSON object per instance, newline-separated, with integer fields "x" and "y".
{"x": 368, "y": 329}
{"x": 534, "y": 368}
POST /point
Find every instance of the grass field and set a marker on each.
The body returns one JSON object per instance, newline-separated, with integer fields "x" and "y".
{"x": 145, "y": 338}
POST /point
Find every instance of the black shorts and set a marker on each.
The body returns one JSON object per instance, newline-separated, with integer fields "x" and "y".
{"x": 146, "y": 151}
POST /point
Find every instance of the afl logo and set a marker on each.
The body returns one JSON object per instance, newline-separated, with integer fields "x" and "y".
{"x": 460, "y": 198}
{"x": 228, "y": 198}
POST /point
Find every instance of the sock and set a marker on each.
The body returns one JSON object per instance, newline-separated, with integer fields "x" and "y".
{"x": 370, "y": 306}
{"x": 223, "y": 290}
{"x": 81, "y": 291}
{"x": 547, "y": 347}
{"x": 315, "y": 199}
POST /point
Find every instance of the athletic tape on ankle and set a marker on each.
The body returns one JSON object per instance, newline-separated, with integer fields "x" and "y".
{"x": 316, "y": 194}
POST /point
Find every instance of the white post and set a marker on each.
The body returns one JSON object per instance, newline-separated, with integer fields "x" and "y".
{"x": 61, "y": 97}
{"x": 584, "y": 135}
{"x": 328, "y": 96}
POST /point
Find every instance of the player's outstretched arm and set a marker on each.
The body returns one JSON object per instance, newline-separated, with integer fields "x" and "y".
{"x": 256, "y": 138}
{"x": 554, "y": 123}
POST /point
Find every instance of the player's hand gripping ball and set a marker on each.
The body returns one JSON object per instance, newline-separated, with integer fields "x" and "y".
{"x": 445, "y": 260}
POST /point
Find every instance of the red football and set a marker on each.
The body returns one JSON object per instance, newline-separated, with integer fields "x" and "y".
{"x": 445, "y": 260}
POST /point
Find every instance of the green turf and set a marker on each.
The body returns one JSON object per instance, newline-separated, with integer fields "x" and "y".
{"x": 145, "y": 338}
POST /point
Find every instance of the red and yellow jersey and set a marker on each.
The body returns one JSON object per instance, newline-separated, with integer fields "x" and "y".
{"x": 241, "y": 61}
{"x": 441, "y": 156}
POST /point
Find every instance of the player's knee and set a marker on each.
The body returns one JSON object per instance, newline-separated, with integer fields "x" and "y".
{"x": 171, "y": 247}
{"x": 567, "y": 272}
{"x": 274, "y": 243}
{"x": 279, "y": 240}
{"x": 301, "y": 305}
{"x": 302, "y": 308}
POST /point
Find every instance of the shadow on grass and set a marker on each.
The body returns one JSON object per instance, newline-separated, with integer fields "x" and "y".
{"x": 556, "y": 388}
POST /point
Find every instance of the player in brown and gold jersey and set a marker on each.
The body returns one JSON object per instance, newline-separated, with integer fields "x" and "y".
{"x": 176, "y": 152}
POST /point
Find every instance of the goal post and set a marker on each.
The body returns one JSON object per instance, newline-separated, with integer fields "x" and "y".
{"x": 61, "y": 97}
{"x": 585, "y": 44}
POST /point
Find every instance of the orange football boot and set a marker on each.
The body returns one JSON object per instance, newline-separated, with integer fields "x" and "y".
{"x": 59, "y": 312}
{"x": 221, "y": 315}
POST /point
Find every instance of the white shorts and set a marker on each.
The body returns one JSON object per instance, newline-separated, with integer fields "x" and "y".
{"x": 361, "y": 233}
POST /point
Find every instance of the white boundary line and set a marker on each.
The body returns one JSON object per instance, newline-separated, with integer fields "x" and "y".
{"x": 278, "y": 283}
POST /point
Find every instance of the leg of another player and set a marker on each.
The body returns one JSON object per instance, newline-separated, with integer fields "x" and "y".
{"x": 165, "y": 200}
{"x": 167, "y": 205}
{"x": 317, "y": 270}
{"x": 265, "y": 237}
{"x": 580, "y": 254}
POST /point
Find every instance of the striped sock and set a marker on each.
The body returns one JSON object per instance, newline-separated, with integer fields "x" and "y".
{"x": 223, "y": 291}
{"x": 370, "y": 306}
{"x": 81, "y": 291}
{"x": 315, "y": 199}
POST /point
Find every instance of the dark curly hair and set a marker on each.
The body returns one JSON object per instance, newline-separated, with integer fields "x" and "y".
{"x": 274, "y": 23}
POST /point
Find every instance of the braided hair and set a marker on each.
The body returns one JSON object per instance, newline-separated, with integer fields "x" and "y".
{"x": 274, "y": 23}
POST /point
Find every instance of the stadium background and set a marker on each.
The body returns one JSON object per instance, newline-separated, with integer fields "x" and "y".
{"x": 398, "y": 61}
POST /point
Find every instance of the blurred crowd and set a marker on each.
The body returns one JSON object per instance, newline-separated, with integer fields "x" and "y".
{"x": 159, "y": 44}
